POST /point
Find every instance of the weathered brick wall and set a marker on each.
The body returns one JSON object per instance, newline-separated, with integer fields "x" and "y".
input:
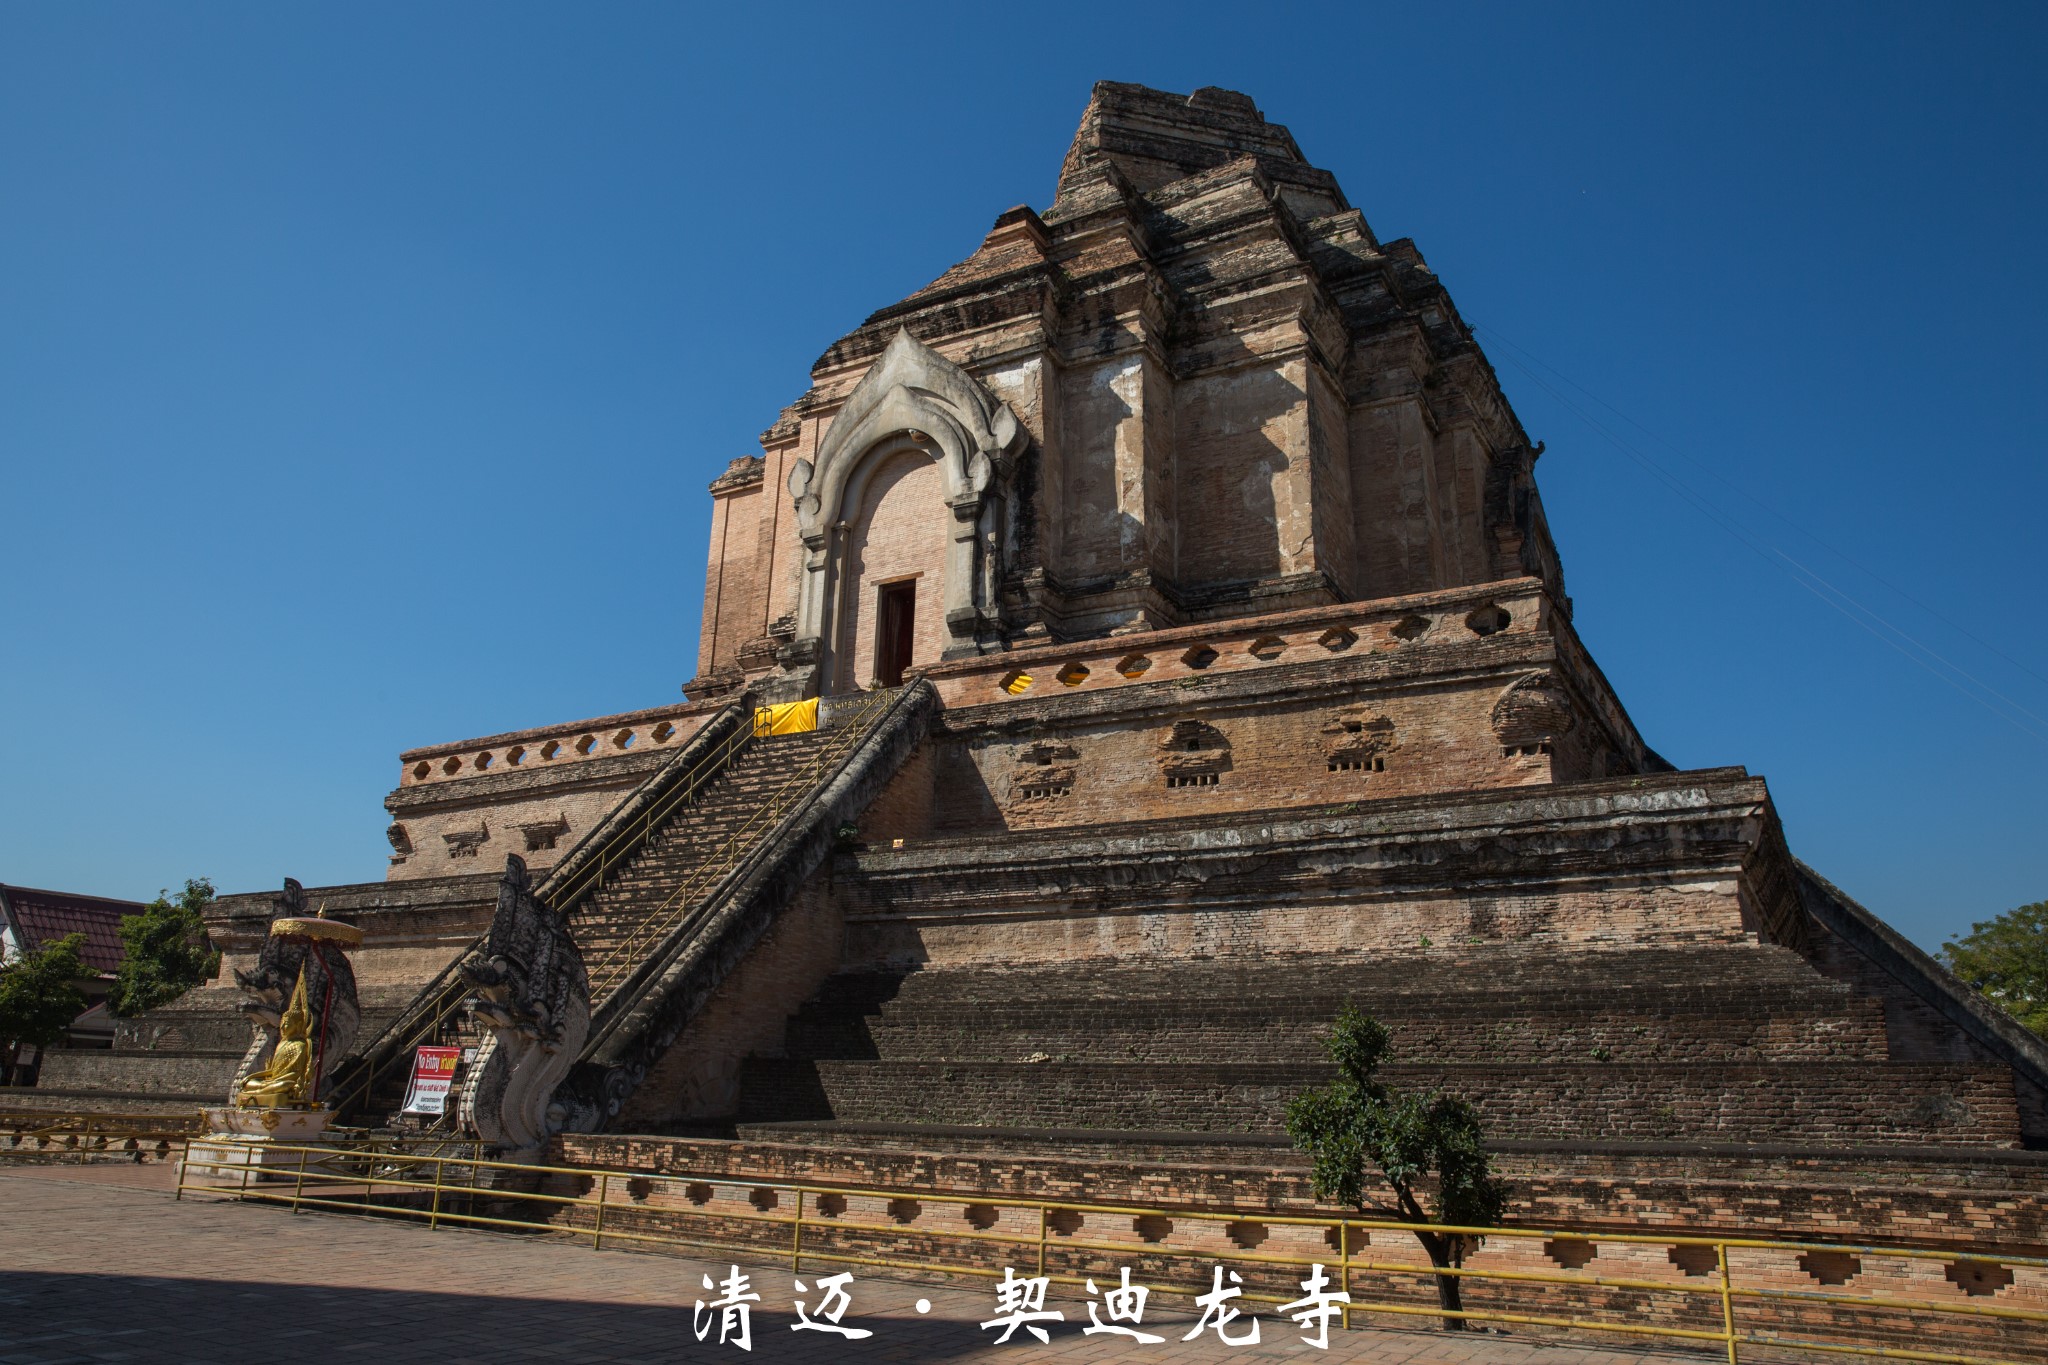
{"x": 1099, "y": 487}
{"x": 1271, "y": 752}
{"x": 1832, "y": 1103}
{"x": 460, "y": 808}
{"x": 736, "y": 581}
{"x": 1242, "y": 475}
{"x": 1734, "y": 1004}
{"x": 1928, "y": 1200}
{"x": 698, "y": 1077}
{"x": 1630, "y": 863}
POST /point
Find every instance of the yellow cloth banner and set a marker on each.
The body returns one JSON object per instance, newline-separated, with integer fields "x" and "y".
{"x": 790, "y": 718}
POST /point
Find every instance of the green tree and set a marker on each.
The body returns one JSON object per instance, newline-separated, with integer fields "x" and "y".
{"x": 39, "y": 997}
{"x": 164, "y": 951}
{"x": 1358, "y": 1125}
{"x": 2007, "y": 959}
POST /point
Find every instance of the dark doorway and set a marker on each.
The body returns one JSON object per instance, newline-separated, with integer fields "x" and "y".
{"x": 895, "y": 622}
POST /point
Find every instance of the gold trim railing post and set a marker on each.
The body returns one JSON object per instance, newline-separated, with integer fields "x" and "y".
{"x": 434, "y": 1216}
{"x": 1727, "y": 1301}
{"x": 1043, "y": 1219}
{"x": 299, "y": 1186}
{"x": 604, "y": 1190}
{"x": 1344, "y": 1253}
{"x": 796, "y": 1236}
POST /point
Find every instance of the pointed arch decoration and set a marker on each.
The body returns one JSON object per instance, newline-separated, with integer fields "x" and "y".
{"x": 911, "y": 398}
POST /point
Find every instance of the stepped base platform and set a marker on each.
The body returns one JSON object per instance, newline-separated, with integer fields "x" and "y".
{"x": 910, "y": 1188}
{"x": 1926, "y": 1195}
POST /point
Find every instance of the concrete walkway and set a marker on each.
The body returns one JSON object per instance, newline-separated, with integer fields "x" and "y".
{"x": 99, "y": 1264}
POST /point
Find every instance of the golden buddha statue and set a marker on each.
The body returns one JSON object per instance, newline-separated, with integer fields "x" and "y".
{"x": 289, "y": 1076}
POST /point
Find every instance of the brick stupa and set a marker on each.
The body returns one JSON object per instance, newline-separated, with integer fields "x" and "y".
{"x": 1230, "y": 675}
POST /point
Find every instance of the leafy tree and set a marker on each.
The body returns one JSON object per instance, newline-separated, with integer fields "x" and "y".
{"x": 1357, "y": 1122}
{"x": 2007, "y": 959}
{"x": 39, "y": 997}
{"x": 165, "y": 952}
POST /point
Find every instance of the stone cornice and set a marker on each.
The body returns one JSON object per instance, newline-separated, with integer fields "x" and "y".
{"x": 1541, "y": 839}
{"x": 494, "y": 787}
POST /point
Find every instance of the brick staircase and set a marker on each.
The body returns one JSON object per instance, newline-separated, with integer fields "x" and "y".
{"x": 636, "y": 907}
{"x": 1594, "y": 1046}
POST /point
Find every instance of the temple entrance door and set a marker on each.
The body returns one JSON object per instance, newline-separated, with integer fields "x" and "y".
{"x": 895, "y": 627}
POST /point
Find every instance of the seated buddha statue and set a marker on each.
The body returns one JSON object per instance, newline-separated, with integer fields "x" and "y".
{"x": 288, "y": 1078}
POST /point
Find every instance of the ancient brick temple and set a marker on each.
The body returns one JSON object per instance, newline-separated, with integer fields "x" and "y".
{"x": 1194, "y": 657}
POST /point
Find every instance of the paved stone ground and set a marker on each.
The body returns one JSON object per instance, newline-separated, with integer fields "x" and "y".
{"x": 99, "y": 1264}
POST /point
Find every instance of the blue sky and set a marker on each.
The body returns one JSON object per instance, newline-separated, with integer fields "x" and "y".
{"x": 362, "y": 367}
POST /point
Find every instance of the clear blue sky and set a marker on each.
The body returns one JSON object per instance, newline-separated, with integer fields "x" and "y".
{"x": 362, "y": 367}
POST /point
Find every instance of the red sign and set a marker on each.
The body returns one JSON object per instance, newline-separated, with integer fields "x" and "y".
{"x": 433, "y": 1072}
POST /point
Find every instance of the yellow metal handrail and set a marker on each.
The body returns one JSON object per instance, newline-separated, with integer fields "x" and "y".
{"x": 622, "y": 958}
{"x": 628, "y": 839}
{"x": 447, "y": 995}
{"x": 336, "y": 1176}
{"x": 445, "y": 1005}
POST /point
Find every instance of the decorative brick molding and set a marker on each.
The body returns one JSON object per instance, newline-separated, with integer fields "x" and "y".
{"x": 1194, "y": 753}
{"x": 1533, "y": 714}
{"x": 1044, "y": 771}
{"x": 464, "y": 843}
{"x": 1357, "y": 738}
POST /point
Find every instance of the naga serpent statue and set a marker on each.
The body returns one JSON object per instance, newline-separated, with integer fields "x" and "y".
{"x": 534, "y": 996}
{"x": 309, "y": 955}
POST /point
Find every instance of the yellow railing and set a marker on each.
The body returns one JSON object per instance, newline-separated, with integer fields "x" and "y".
{"x": 1732, "y": 1304}
{"x": 624, "y": 841}
{"x": 445, "y": 998}
{"x": 619, "y": 960}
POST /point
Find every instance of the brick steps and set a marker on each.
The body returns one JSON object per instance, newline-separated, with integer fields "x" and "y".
{"x": 1749, "y": 970}
{"x": 175, "y": 1074}
{"x": 1984, "y": 1169}
{"x": 1837, "y": 1103}
{"x": 639, "y": 900}
{"x": 1520, "y": 1031}
{"x": 1513, "y": 1003}
{"x": 1715, "y": 1042}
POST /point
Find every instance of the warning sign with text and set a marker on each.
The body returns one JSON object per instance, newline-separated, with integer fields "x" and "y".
{"x": 433, "y": 1072}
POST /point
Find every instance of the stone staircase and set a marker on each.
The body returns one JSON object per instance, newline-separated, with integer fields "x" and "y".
{"x": 1722, "y": 1043}
{"x": 635, "y": 909}
{"x": 694, "y": 892}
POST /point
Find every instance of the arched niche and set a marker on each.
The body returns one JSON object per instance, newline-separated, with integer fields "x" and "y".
{"x": 888, "y": 586}
{"x": 912, "y": 398}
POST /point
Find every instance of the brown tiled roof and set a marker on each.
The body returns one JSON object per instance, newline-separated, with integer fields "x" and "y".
{"x": 41, "y": 917}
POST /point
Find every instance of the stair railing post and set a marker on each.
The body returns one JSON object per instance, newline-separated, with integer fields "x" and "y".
{"x": 604, "y": 1189}
{"x": 299, "y": 1187}
{"x": 434, "y": 1215}
{"x": 1727, "y": 1302}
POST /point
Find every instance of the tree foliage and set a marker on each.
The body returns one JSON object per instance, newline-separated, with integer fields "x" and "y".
{"x": 2007, "y": 959}
{"x": 165, "y": 951}
{"x": 39, "y": 996}
{"x": 1357, "y": 1125}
